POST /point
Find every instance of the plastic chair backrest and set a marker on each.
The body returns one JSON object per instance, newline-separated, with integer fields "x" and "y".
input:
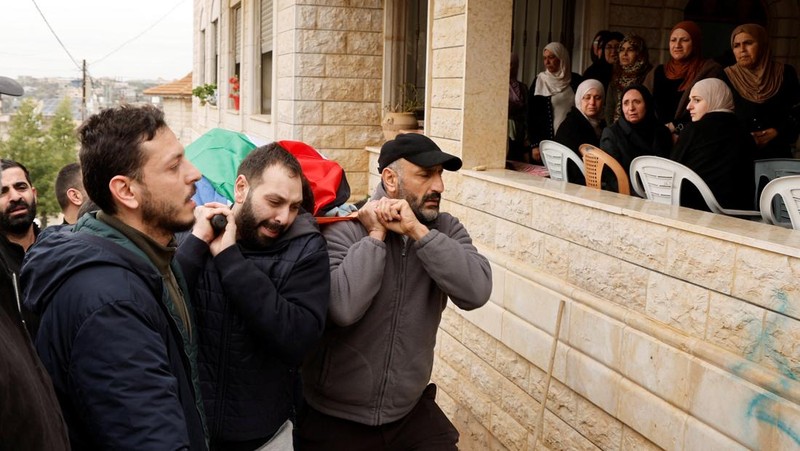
{"x": 662, "y": 179}
{"x": 788, "y": 189}
{"x": 594, "y": 160}
{"x": 770, "y": 169}
{"x": 555, "y": 157}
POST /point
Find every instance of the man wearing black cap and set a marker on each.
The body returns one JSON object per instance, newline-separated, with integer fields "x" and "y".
{"x": 391, "y": 275}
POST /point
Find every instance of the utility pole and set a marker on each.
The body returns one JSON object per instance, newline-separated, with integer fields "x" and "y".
{"x": 83, "y": 97}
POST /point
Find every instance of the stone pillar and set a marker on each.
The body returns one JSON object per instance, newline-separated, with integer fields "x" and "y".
{"x": 329, "y": 61}
{"x": 468, "y": 76}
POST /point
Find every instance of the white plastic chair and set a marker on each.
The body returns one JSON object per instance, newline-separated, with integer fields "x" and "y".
{"x": 789, "y": 190}
{"x": 555, "y": 157}
{"x": 662, "y": 179}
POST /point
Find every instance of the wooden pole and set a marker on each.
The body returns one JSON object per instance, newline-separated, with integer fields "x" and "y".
{"x": 540, "y": 419}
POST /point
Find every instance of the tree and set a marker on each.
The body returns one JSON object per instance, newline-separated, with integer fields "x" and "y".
{"x": 44, "y": 154}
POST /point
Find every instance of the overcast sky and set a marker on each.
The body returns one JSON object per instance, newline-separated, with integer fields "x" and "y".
{"x": 90, "y": 30}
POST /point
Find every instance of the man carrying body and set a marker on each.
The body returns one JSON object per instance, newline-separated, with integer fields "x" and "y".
{"x": 261, "y": 292}
{"x": 117, "y": 331}
{"x": 69, "y": 191}
{"x": 391, "y": 275}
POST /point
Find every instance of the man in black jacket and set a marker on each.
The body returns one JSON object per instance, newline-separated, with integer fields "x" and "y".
{"x": 261, "y": 291}
{"x": 17, "y": 230}
{"x": 117, "y": 333}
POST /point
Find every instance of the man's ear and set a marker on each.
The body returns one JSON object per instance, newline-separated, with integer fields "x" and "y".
{"x": 35, "y": 194}
{"x": 390, "y": 181}
{"x": 240, "y": 189}
{"x": 75, "y": 196}
{"x": 125, "y": 191}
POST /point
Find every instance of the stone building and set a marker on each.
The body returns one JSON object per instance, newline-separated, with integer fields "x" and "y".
{"x": 175, "y": 98}
{"x": 680, "y": 328}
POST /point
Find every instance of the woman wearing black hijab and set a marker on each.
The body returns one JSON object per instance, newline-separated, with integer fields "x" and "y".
{"x": 637, "y": 132}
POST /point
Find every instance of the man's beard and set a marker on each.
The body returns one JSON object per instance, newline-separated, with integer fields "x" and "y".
{"x": 18, "y": 225}
{"x": 162, "y": 215}
{"x": 425, "y": 216}
{"x": 247, "y": 225}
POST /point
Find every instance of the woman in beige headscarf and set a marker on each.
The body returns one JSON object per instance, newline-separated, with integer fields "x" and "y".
{"x": 717, "y": 148}
{"x": 764, "y": 91}
{"x": 553, "y": 95}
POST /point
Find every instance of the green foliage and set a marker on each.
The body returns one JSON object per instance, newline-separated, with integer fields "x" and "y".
{"x": 44, "y": 153}
{"x": 205, "y": 93}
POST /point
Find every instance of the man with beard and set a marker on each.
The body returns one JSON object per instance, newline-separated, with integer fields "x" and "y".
{"x": 391, "y": 275}
{"x": 17, "y": 229}
{"x": 261, "y": 291}
{"x": 117, "y": 333}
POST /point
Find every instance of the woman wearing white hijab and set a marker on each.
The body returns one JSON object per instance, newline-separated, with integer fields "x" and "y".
{"x": 553, "y": 95}
{"x": 717, "y": 147}
{"x": 584, "y": 123}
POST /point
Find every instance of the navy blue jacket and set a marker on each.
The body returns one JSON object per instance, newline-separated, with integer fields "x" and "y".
{"x": 259, "y": 312}
{"x": 117, "y": 357}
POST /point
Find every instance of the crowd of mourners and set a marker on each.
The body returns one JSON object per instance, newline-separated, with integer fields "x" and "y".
{"x": 713, "y": 119}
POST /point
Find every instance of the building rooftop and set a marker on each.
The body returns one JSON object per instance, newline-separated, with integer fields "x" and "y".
{"x": 182, "y": 87}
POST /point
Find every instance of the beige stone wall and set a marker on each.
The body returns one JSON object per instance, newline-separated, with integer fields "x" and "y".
{"x": 178, "y": 114}
{"x": 680, "y": 329}
{"x": 327, "y": 88}
{"x": 329, "y": 79}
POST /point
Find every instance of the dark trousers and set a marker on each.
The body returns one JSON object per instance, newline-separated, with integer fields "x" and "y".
{"x": 426, "y": 427}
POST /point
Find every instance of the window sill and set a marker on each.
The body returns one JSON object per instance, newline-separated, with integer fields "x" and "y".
{"x": 263, "y": 118}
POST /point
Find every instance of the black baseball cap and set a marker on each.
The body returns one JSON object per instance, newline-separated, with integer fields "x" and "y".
{"x": 418, "y": 149}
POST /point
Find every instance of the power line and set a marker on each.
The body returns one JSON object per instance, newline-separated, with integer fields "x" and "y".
{"x": 140, "y": 34}
{"x": 56, "y": 35}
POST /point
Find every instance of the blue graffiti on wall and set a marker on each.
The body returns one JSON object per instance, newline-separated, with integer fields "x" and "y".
{"x": 762, "y": 407}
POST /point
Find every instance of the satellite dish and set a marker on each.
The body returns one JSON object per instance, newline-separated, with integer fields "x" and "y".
{"x": 10, "y": 87}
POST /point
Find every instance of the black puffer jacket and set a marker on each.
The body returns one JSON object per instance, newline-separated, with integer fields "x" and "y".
{"x": 119, "y": 358}
{"x": 258, "y": 313}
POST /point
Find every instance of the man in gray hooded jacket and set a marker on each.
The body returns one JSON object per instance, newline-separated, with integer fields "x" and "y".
{"x": 392, "y": 272}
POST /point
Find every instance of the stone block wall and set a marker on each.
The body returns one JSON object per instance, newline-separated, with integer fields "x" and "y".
{"x": 329, "y": 60}
{"x": 680, "y": 328}
{"x": 178, "y": 113}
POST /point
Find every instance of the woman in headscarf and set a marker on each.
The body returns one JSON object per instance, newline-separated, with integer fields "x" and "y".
{"x": 602, "y": 62}
{"x": 633, "y": 65}
{"x": 670, "y": 82}
{"x": 765, "y": 92}
{"x": 717, "y": 148}
{"x": 553, "y": 95}
{"x": 583, "y": 124}
{"x": 637, "y": 132}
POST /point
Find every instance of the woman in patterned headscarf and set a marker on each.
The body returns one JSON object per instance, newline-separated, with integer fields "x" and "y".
{"x": 765, "y": 92}
{"x": 633, "y": 65}
{"x": 553, "y": 95}
{"x": 670, "y": 82}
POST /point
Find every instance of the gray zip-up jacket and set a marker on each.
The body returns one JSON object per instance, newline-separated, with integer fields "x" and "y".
{"x": 387, "y": 298}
